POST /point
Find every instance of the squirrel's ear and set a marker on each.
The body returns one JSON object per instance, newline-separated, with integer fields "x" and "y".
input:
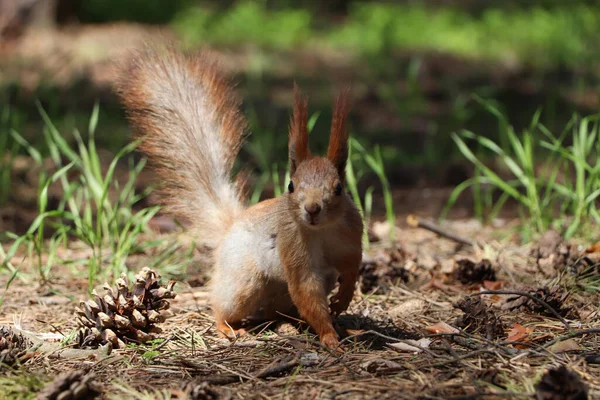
{"x": 337, "y": 152}
{"x": 298, "y": 141}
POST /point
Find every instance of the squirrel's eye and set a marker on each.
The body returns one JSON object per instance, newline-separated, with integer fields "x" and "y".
{"x": 338, "y": 189}
{"x": 291, "y": 187}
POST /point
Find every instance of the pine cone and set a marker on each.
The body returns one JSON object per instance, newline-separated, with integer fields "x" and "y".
{"x": 125, "y": 315}
{"x": 479, "y": 318}
{"x": 561, "y": 384}
{"x": 553, "y": 254}
{"x": 12, "y": 347}
{"x": 469, "y": 272}
{"x": 72, "y": 385}
{"x": 198, "y": 390}
{"x": 383, "y": 270}
{"x": 555, "y": 297}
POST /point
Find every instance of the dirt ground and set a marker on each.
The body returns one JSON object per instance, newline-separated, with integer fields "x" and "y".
{"x": 420, "y": 326}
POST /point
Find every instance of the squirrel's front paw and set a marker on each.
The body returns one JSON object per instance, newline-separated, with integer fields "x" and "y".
{"x": 330, "y": 340}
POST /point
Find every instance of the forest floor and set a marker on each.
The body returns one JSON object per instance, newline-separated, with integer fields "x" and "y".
{"x": 432, "y": 319}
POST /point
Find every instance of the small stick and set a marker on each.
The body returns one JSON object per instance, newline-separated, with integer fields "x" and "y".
{"x": 394, "y": 339}
{"x": 278, "y": 366}
{"x": 456, "y": 359}
{"x": 570, "y": 335}
{"x": 414, "y": 222}
{"x": 530, "y": 296}
{"x": 239, "y": 375}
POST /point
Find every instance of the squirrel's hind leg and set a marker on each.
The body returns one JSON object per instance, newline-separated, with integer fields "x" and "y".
{"x": 230, "y": 314}
{"x": 230, "y": 330}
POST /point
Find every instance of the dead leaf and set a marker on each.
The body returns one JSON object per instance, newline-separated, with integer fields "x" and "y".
{"x": 493, "y": 285}
{"x": 565, "y": 345}
{"x": 436, "y": 283}
{"x": 353, "y": 332}
{"x": 595, "y": 248}
{"x": 519, "y": 333}
{"x": 409, "y": 345}
{"x": 441, "y": 327}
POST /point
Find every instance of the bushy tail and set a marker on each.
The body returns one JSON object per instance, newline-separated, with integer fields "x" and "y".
{"x": 188, "y": 119}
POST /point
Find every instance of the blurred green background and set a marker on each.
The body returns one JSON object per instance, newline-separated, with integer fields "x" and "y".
{"x": 414, "y": 66}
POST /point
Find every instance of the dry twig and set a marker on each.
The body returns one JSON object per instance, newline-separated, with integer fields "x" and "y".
{"x": 415, "y": 222}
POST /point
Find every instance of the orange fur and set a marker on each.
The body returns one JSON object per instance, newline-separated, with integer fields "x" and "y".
{"x": 316, "y": 179}
{"x": 338, "y": 139}
{"x": 187, "y": 118}
{"x": 225, "y": 330}
{"x": 307, "y": 291}
{"x": 298, "y": 141}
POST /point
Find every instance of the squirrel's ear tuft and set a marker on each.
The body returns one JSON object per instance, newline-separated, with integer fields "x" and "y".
{"x": 337, "y": 152}
{"x": 298, "y": 141}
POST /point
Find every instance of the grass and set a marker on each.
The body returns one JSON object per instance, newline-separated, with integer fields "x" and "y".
{"x": 361, "y": 159}
{"x": 588, "y": 280}
{"x": 555, "y": 179}
{"x": 262, "y": 147}
{"x": 364, "y": 205}
{"x": 539, "y": 35}
{"x": 245, "y": 22}
{"x": 95, "y": 209}
{"x": 8, "y": 150}
{"x": 97, "y": 221}
{"x": 543, "y": 36}
{"x": 21, "y": 385}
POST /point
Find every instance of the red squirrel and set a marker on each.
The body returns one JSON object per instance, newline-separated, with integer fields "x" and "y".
{"x": 281, "y": 256}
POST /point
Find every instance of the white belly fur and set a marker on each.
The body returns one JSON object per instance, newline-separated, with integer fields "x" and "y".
{"x": 248, "y": 258}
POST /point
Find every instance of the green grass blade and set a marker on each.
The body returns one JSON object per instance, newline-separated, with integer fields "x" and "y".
{"x": 33, "y": 152}
{"x": 312, "y": 121}
{"x": 56, "y": 136}
{"x": 492, "y": 176}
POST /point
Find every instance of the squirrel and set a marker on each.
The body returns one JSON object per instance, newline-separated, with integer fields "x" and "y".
{"x": 280, "y": 257}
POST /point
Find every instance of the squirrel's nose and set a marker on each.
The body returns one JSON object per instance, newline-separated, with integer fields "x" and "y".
{"x": 313, "y": 209}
